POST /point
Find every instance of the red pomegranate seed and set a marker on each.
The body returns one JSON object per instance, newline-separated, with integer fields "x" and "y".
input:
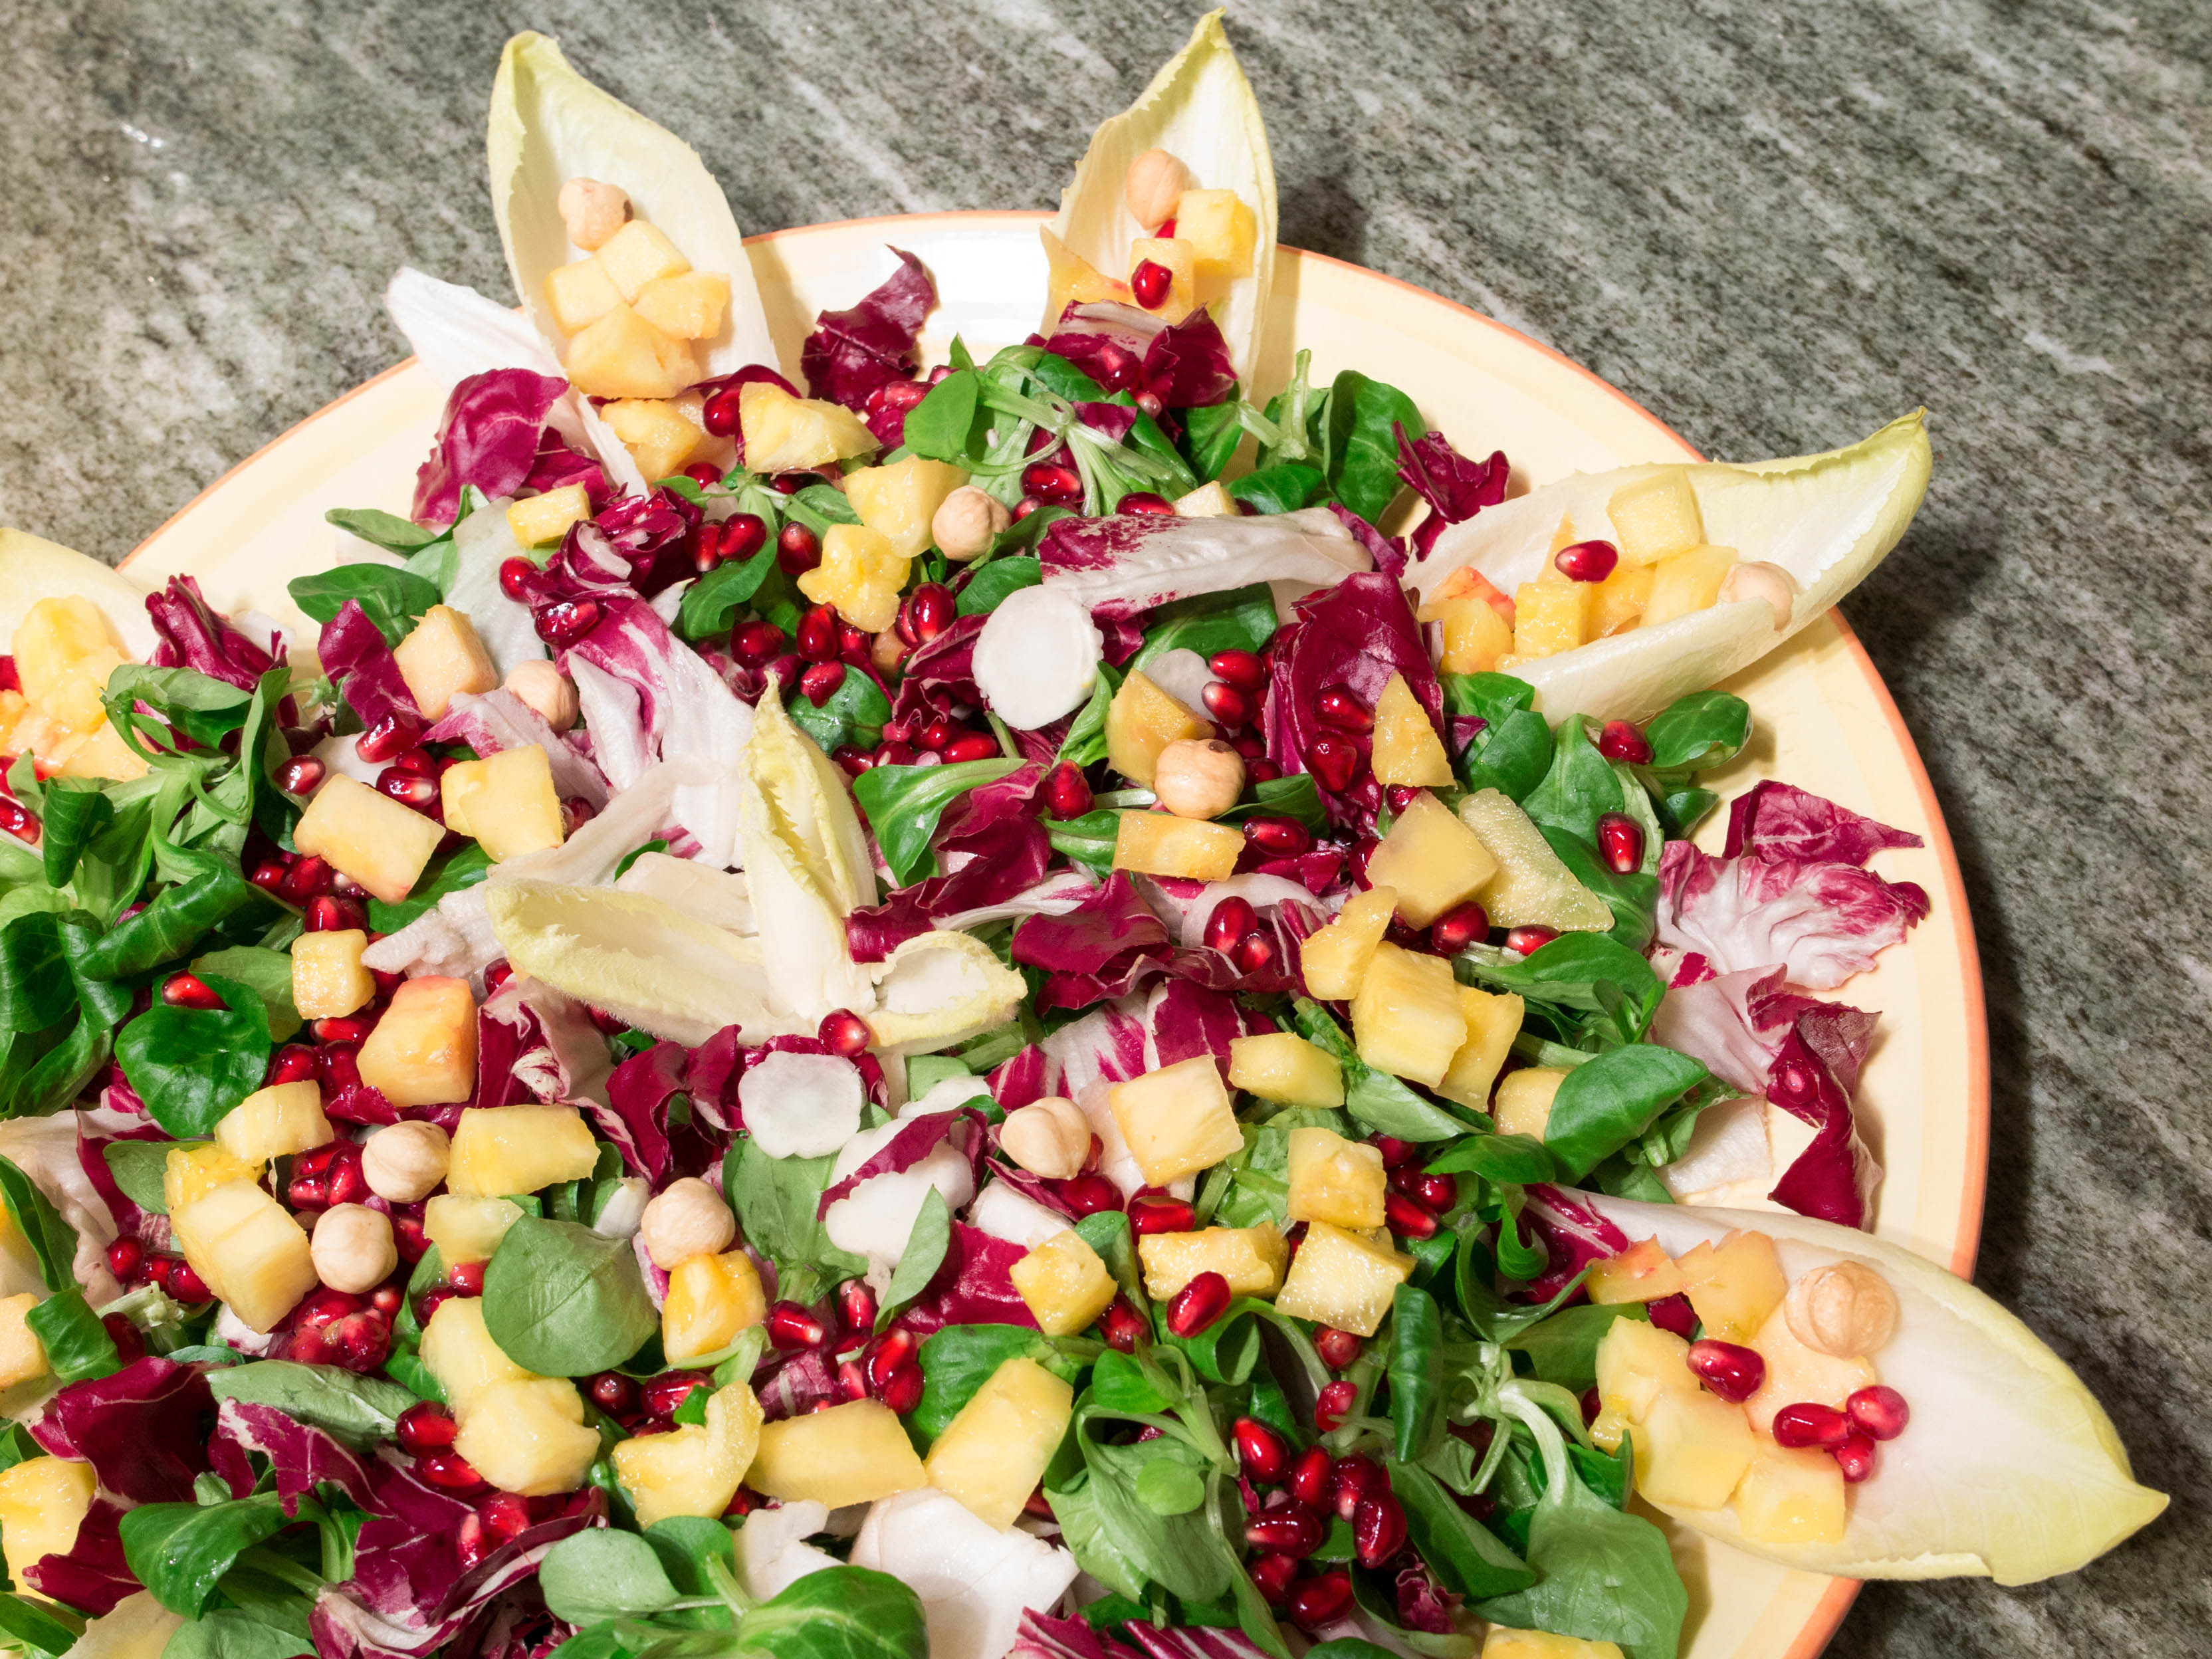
{"x": 852, "y": 759}
{"x": 756, "y": 643}
{"x": 1249, "y": 746}
{"x": 661, "y": 1395}
{"x": 1261, "y": 771}
{"x": 1586, "y": 562}
{"x": 1334, "y": 761}
{"x": 1241, "y": 669}
{"x": 1395, "y": 1152}
{"x": 305, "y": 877}
{"x": 895, "y": 754}
{"x": 125, "y": 1257}
{"x": 1066, "y": 793}
{"x": 1332, "y": 1405}
{"x": 1807, "y": 1423}
{"x": 337, "y": 1065}
{"x": 506, "y": 1515}
{"x": 853, "y": 1380}
{"x": 448, "y": 1471}
{"x": 20, "y": 821}
{"x": 1351, "y": 1479}
{"x": 1878, "y": 1412}
{"x": 1620, "y": 741}
{"x": 1156, "y": 1212}
{"x": 388, "y": 739}
{"x": 1226, "y": 703}
{"x": 300, "y": 774}
{"x": 1278, "y": 837}
{"x": 854, "y": 642}
{"x": 1337, "y": 707}
{"x": 896, "y": 397}
{"x": 1378, "y": 1528}
{"x": 1145, "y": 501}
{"x": 1432, "y": 1192}
{"x": 790, "y": 483}
{"x": 1231, "y": 920}
{"x": 1150, "y": 402}
{"x": 420, "y": 762}
{"x": 706, "y": 547}
{"x": 1458, "y": 927}
{"x": 516, "y": 576}
{"x": 1273, "y": 1576}
{"x": 856, "y": 1305}
{"x": 428, "y": 1304}
{"x": 267, "y": 875}
{"x": 1121, "y": 1325}
{"x": 1293, "y": 1531}
{"x": 334, "y": 1029}
{"x": 563, "y": 623}
{"x": 1053, "y": 484}
{"x": 1338, "y": 1349}
{"x": 1530, "y": 939}
{"x": 387, "y": 1299}
{"x": 1198, "y": 1304}
{"x": 1261, "y": 1452}
{"x": 938, "y": 734}
{"x": 1398, "y": 796}
{"x": 425, "y": 1426}
{"x": 797, "y": 549}
{"x": 1592, "y": 1403}
{"x": 744, "y": 534}
{"x": 817, "y": 633}
{"x": 1408, "y": 1217}
{"x": 844, "y": 1032}
{"x": 329, "y": 913}
{"x": 720, "y": 415}
{"x": 974, "y": 746}
{"x": 466, "y": 1278}
{"x": 1620, "y": 839}
{"x": 1149, "y": 283}
{"x": 130, "y": 1345}
{"x": 896, "y": 1350}
{"x": 471, "y": 1542}
{"x": 410, "y": 789}
{"x": 1309, "y": 1476}
{"x": 1856, "y": 1455}
{"x": 1323, "y": 1600}
{"x": 184, "y": 1283}
{"x": 902, "y": 1389}
{"x": 820, "y": 681}
{"x": 189, "y": 991}
{"x": 1730, "y": 1370}
{"x": 1023, "y": 507}
{"x": 1089, "y": 1195}
{"x": 613, "y": 1392}
{"x": 705, "y": 474}
{"x": 927, "y": 613}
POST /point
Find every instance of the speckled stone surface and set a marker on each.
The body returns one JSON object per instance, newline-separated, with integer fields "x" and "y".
{"x": 1776, "y": 225}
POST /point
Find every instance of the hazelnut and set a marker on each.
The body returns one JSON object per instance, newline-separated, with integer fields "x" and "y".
{"x": 1845, "y": 1309}
{"x": 545, "y": 689}
{"x": 592, "y": 211}
{"x": 1198, "y": 777}
{"x": 406, "y": 1162}
{"x": 1156, "y": 183}
{"x": 352, "y": 1249}
{"x": 887, "y": 651}
{"x": 687, "y": 1220}
{"x": 967, "y": 522}
{"x": 1049, "y": 1138}
{"x": 1757, "y": 579}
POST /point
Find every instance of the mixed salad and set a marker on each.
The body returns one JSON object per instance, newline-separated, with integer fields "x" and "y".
{"x": 860, "y": 1007}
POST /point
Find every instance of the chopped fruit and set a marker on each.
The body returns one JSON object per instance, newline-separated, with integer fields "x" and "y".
{"x": 43, "y": 1501}
{"x": 368, "y": 836}
{"x": 528, "y": 1436}
{"x": 1284, "y": 1067}
{"x": 622, "y": 356}
{"x": 1476, "y": 633}
{"x": 1637, "y": 1362}
{"x": 1177, "y": 1121}
{"x": 854, "y": 1452}
{"x": 1796, "y": 1372}
{"x": 1503, "y": 1642}
{"x": 1251, "y": 1260}
{"x": 1221, "y": 230}
{"x": 1407, "y": 748}
{"x": 1066, "y": 1284}
{"x": 1493, "y": 1020}
{"x": 638, "y": 254}
{"x": 1523, "y": 1106}
{"x": 103, "y": 754}
{"x": 538, "y": 519}
{"x": 1073, "y": 281}
{"x": 1335, "y": 1180}
{"x": 658, "y": 438}
{"x": 249, "y": 1250}
{"x": 192, "y": 1172}
{"x": 1532, "y": 887}
{"x": 861, "y": 573}
{"x": 1691, "y": 1449}
{"x": 507, "y": 802}
{"x": 710, "y": 1299}
{"x": 1431, "y": 859}
{"x": 1178, "y": 298}
{"x": 1656, "y": 517}
{"x": 1549, "y": 617}
{"x": 784, "y": 434}
{"x": 1685, "y": 582}
{"x": 1343, "y": 1279}
{"x": 1334, "y": 959}
{"x": 1642, "y": 1272}
{"x": 697, "y": 1469}
{"x": 1734, "y": 1286}
{"x": 690, "y": 307}
{"x": 458, "y": 1350}
{"x": 1792, "y": 1496}
{"x": 64, "y": 651}
{"x": 22, "y": 1355}
{"x": 423, "y": 1051}
{"x": 900, "y": 502}
{"x": 1162, "y": 844}
{"x": 274, "y": 1122}
{"x": 1620, "y": 601}
{"x": 993, "y": 1453}
{"x": 328, "y": 981}
{"x": 579, "y": 293}
{"x": 1209, "y": 501}
{"x": 1465, "y": 583}
{"x": 515, "y": 1148}
{"x": 1140, "y": 721}
{"x": 467, "y": 1229}
{"x": 1405, "y": 1017}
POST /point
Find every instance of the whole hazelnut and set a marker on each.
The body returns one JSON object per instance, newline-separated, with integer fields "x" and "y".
{"x": 545, "y": 689}
{"x": 592, "y": 211}
{"x": 1156, "y": 183}
{"x": 1758, "y": 579}
{"x": 352, "y": 1249}
{"x": 1845, "y": 1309}
{"x": 687, "y": 1220}
{"x": 1198, "y": 777}
{"x": 1049, "y": 1138}
{"x": 967, "y": 522}
{"x": 406, "y": 1162}
{"x": 887, "y": 651}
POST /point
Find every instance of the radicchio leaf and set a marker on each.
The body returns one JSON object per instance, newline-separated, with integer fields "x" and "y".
{"x": 1191, "y": 1641}
{"x": 1780, "y": 822}
{"x": 853, "y": 352}
{"x": 1043, "y": 1637}
{"x": 93, "y": 1575}
{"x": 359, "y": 663}
{"x": 1120, "y": 567}
{"x": 1573, "y": 1234}
{"x": 1832, "y": 1179}
{"x": 1455, "y": 487}
{"x": 488, "y": 437}
{"x": 973, "y": 1286}
{"x": 992, "y": 849}
{"x": 300, "y": 1455}
{"x": 644, "y": 541}
{"x": 143, "y": 1429}
{"x": 194, "y": 635}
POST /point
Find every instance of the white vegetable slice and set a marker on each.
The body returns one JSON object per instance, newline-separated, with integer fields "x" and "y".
{"x": 714, "y": 897}
{"x": 975, "y": 1581}
{"x": 1123, "y": 566}
{"x": 32, "y": 569}
{"x": 1037, "y": 657}
{"x": 875, "y": 1217}
{"x": 947, "y": 1095}
{"x": 801, "y": 1105}
{"x": 2008, "y": 1469}
{"x": 1004, "y": 1211}
{"x": 772, "y": 1548}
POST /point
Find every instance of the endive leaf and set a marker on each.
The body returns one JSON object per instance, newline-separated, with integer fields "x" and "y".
{"x": 1200, "y": 109}
{"x": 1827, "y": 520}
{"x": 549, "y": 125}
{"x": 940, "y": 989}
{"x": 2008, "y": 1469}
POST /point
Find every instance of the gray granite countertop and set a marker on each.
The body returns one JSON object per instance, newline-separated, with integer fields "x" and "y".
{"x": 1776, "y": 225}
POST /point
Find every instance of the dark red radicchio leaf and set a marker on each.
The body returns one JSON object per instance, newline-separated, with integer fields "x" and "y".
{"x": 1388, "y": 552}
{"x": 1423, "y": 1603}
{"x": 1098, "y": 950}
{"x": 143, "y": 1429}
{"x": 1780, "y": 822}
{"x": 94, "y": 1576}
{"x": 1834, "y": 1177}
{"x": 1041, "y": 1635}
{"x": 993, "y": 848}
{"x": 1188, "y": 366}
{"x": 944, "y": 667}
{"x": 1191, "y": 1641}
{"x": 1822, "y": 922}
{"x": 974, "y": 1285}
{"x": 852, "y": 353}
{"x": 644, "y": 541}
{"x": 1573, "y": 1234}
{"x": 300, "y": 1456}
{"x": 193, "y": 634}
{"x": 1455, "y": 487}
{"x": 359, "y": 663}
{"x": 556, "y": 466}
{"x": 1189, "y": 1020}
{"x": 488, "y": 437}
{"x": 636, "y": 1118}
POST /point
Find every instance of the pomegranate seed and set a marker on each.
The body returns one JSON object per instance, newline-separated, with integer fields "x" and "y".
{"x": 1321, "y": 1601}
{"x": 267, "y": 875}
{"x": 820, "y": 683}
{"x": 1856, "y": 1456}
{"x": 974, "y": 747}
{"x": 844, "y": 1032}
{"x": 410, "y": 789}
{"x": 790, "y": 483}
{"x": 896, "y": 1350}
{"x": 1261, "y": 1452}
{"x": 1730, "y": 1370}
{"x": 184, "y": 1283}
{"x": 853, "y": 1380}
{"x": 1273, "y": 1576}
{"x": 1337, "y": 707}
{"x": 430, "y": 1302}
{"x": 1150, "y": 1213}
{"x": 1023, "y": 507}
{"x": 1620, "y": 839}
{"x": 1231, "y": 920}
{"x": 1278, "y": 837}
{"x": 337, "y": 1065}
{"x": 1226, "y": 703}
{"x": 1407, "y": 1216}
{"x": 466, "y": 1278}
{"x": 408, "y": 1236}
{"x": 130, "y": 1345}
{"x": 902, "y": 1389}
{"x": 20, "y": 821}
{"x": 189, "y": 991}
{"x": 425, "y": 1426}
{"x": 1309, "y": 1476}
{"x": 388, "y": 739}
{"x": 706, "y": 548}
{"x": 565, "y": 621}
{"x": 744, "y": 534}
{"x": 1531, "y": 938}
{"x": 856, "y": 1305}
{"x": 1878, "y": 1412}
{"x": 852, "y": 760}
{"x": 661, "y": 1395}
{"x": 1198, "y": 1304}
{"x": 1249, "y": 746}
{"x": 705, "y": 474}
{"x": 1143, "y": 501}
{"x": 853, "y": 642}
{"x": 326, "y": 1306}
{"x": 506, "y": 1515}
{"x": 1807, "y": 1423}
{"x": 1586, "y": 561}
{"x": 341, "y": 1030}
{"x": 721, "y": 417}
{"x": 1332, "y": 1403}
{"x": 1592, "y": 1403}
{"x": 126, "y": 1256}
{"x": 1241, "y": 669}
{"x": 754, "y": 643}
{"x": 1254, "y": 953}
{"x": 1261, "y": 771}
{"x": 328, "y": 913}
{"x": 448, "y": 1471}
{"x": 896, "y": 397}
{"x": 797, "y": 549}
{"x": 938, "y": 735}
{"x": 1378, "y": 1528}
{"x": 1338, "y": 1349}
{"x": 1333, "y": 761}
{"x": 470, "y": 1543}
{"x": 1053, "y": 484}
{"x": 927, "y": 613}
{"x": 1432, "y": 1192}
{"x": 1293, "y": 1531}
{"x": 1149, "y": 283}
{"x": 610, "y": 1391}
{"x": 1121, "y": 1325}
{"x": 1395, "y": 1152}
{"x": 1458, "y": 927}
{"x": 1398, "y": 796}
{"x": 1620, "y": 741}
{"x": 1353, "y": 1480}
{"x": 420, "y": 762}
{"x": 1065, "y": 792}
{"x": 516, "y": 576}
{"x": 1089, "y": 1195}
{"x": 307, "y": 877}
{"x": 817, "y": 633}
{"x": 300, "y": 774}
{"x": 386, "y": 1298}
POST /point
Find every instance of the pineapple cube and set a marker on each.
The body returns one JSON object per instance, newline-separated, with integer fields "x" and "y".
{"x": 64, "y": 651}
{"x": 1405, "y": 1020}
{"x": 458, "y": 1351}
{"x": 1180, "y": 260}
{"x": 499, "y": 1150}
{"x": 784, "y": 434}
{"x": 1791, "y": 1495}
{"x": 622, "y": 356}
{"x": 1406, "y": 747}
{"x": 274, "y": 1122}
{"x": 658, "y": 438}
{"x": 22, "y": 1355}
{"x": 695, "y": 1469}
{"x": 1469, "y": 583}
{"x": 861, "y": 573}
{"x": 423, "y": 1051}
{"x": 1532, "y": 886}
{"x": 1618, "y": 603}
{"x": 1176, "y": 1121}
{"x": 1635, "y": 1363}
{"x": 1691, "y": 1450}
{"x": 1493, "y": 1020}
{"x": 1335, "y": 1180}
{"x": 1685, "y": 582}
{"x": 103, "y": 754}
{"x": 1734, "y": 1286}
{"x": 636, "y": 255}
{"x": 443, "y": 657}
{"x": 1503, "y": 1642}
{"x": 1796, "y": 1371}
{"x": 328, "y": 979}
{"x": 1210, "y": 500}
{"x": 538, "y": 519}
{"x": 1433, "y": 860}
{"x": 1071, "y": 280}
{"x": 854, "y": 1452}
{"x": 43, "y": 1501}
{"x": 1656, "y": 517}
{"x": 249, "y": 1250}
{"x": 1523, "y": 1106}
{"x": 1284, "y": 1067}
{"x": 368, "y": 836}
{"x": 1549, "y": 617}
{"x": 994, "y": 1453}
{"x": 1251, "y": 1258}
{"x": 1140, "y": 721}
{"x": 1343, "y": 1279}
{"x": 1066, "y": 1284}
{"x": 898, "y": 501}
{"x": 710, "y": 1299}
{"x": 1333, "y": 959}
{"x": 528, "y": 1436}
{"x": 688, "y": 307}
{"x": 192, "y": 1172}
{"x": 1642, "y": 1272}
{"x": 507, "y": 802}
{"x": 1221, "y": 230}
{"x": 1162, "y": 844}
{"x": 1475, "y": 637}
{"x": 579, "y": 293}
{"x": 467, "y": 1229}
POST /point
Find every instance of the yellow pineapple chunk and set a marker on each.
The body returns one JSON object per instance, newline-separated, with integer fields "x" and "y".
{"x": 528, "y": 1436}
{"x": 851, "y": 1454}
{"x": 103, "y": 754}
{"x": 249, "y": 1250}
{"x": 423, "y": 1051}
{"x": 1406, "y": 747}
{"x": 1072, "y": 280}
{"x": 1283, "y": 1066}
{"x": 1685, "y": 582}
{"x": 784, "y": 434}
{"x": 1221, "y": 230}
{"x": 690, "y": 307}
{"x": 1475, "y": 635}
{"x": 443, "y": 657}
{"x": 1503, "y": 1642}
{"x": 861, "y": 573}
{"x": 499, "y": 1150}
{"x": 1335, "y": 1180}
{"x": 43, "y": 1501}
{"x": 368, "y": 836}
{"x": 458, "y": 1350}
{"x": 22, "y": 1355}
{"x": 1162, "y": 844}
{"x": 1791, "y": 1495}
{"x": 1251, "y": 1258}
{"x": 1523, "y": 1106}
{"x": 654, "y": 430}
{"x": 1066, "y": 1284}
{"x": 1733, "y": 1286}
{"x": 506, "y": 801}
{"x": 64, "y": 651}
{"x": 1549, "y": 617}
{"x": 328, "y": 979}
{"x": 1532, "y": 886}
{"x": 274, "y": 1122}
{"x": 1637, "y": 1363}
{"x": 1796, "y": 1371}
{"x": 898, "y": 501}
{"x": 697, "y": 1469}
{"x": 1405, "y": 1020}
{"x": 622, "y": 356}
{"x": 1177, "y": 1121}
{"x": 538, "y": 519}
{"x": 710, "y": 1299}
{"x": 1343, "y": 1279}
{"x": 1180, "y": 260}
{"x": 192, "y": 1172}
{"x": 994, "y": 1453}
{"x": 467, "y": 1229}
{"x": 1431, "y": 859}
{"x": 1656, "y": 517}
{"x": 1140, "y": 721}
{"x": 1493, "y": 1020}
{"x": 1618, "y": 603}
{"x": 1642, "y": 1272}
{"x": 636, "y": 255}
{"x": 579, "y": 293}
{"x": 1691, "y": 1449}
{"x": 1333, "y": 959}
{"x": 1210, "y": 500}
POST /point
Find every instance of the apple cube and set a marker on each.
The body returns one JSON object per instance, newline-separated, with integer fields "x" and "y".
{"x": 622, "y": 356}
{"x": 710, "y": 1299}
{"x": 1493, "y": 1020}
{"x": 1642, "y": 1272}
{"x": 1210, "y": 500}
{"x": 1343, "y": 1279}
{"x": 1284, "y": 1067}
{"x": 43, "y": 1501}
{"x": 1656, "y": 517}
{"x": 22, "y": 1355}
{"x": 423, "y": 1051}
{"x": 861, "y": 573}
{"x": 507, "y": 802}
{"x": 579, "y": 293}
{"x": 1549, "y": 617}
{"x": 537, "y": 521}
{"x": 1523, "y": 1106}
{"x": 1162, "y": 844}
{"x": 1140, "y": 721}
{"x": 1406, "y": 1019}
{"x": 192, "y": 1172}
{"x": 1619, "y": 602}
{"x": 274, "y": 1122}
{"x": 1407, "y": 748}
{"x": 1180, "y": 260}
{"x": 784, "y": 434}
{"x": 1503, "y": 1642}
{"x": 1334, "y": 959}
{"x": 368, "y": 836}
{"x": 529, "y": 1435}
{"x": 994, "y": 1453}
{"x": 1532, "y": 887}
{"x": 1691, "y": 1450}
{"x": 1221, "y": 230}
{"x": 1636, "y": 1363}
{"x": 658, "y": 438}
{"x": 1791, "y": 1495}
{"x": 1251, "y": 1258}
{"x": 458, "y": 1351}
{"x": 248, "y": 1249}
{"x": 697, "y": 1469}
{"x": 1335, "y": 1180}
{"x": 1734, "y": 1286}
{"x": 1796, "y": 1371}
{"x": 467, "y": 1229}
{"x": 1071, "y": 280}
{"x": 898, "y": 501}
{"x": 1176, "y": 1121}
{"x": 64, "y": 651}
{"x": 1066, "y": 1284}
{"x": 1431, "y": 859}
{"x": 328, "y": 979}
{"x": 636, "y": 255}
{"x": 499, "y": 1150}
{"x": 1685, "y": 582}
{"x": 688, "y": 307}
{"x": 854, "y": 1452}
